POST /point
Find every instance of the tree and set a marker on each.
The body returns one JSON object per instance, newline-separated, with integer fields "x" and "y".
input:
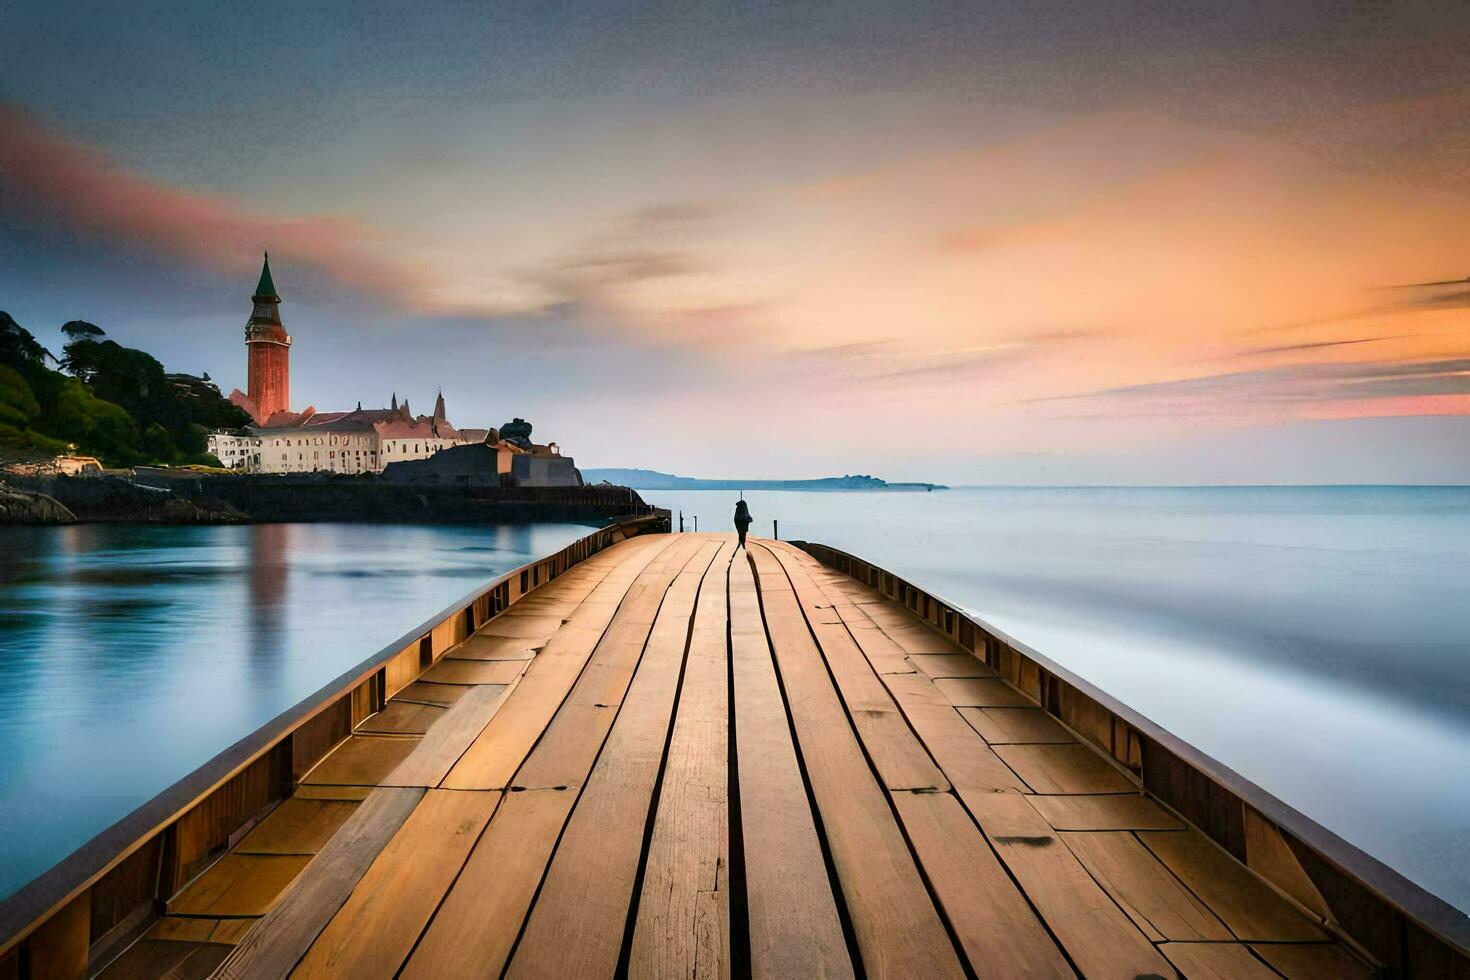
{"x": 81, "y": 330}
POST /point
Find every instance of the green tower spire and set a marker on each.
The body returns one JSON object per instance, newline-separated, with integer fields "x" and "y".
{"x": 266, "y": 287}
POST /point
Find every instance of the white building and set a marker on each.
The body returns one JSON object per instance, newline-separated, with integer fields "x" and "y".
{"x": 236, "y": 452}
{"x": 360, "y": 441}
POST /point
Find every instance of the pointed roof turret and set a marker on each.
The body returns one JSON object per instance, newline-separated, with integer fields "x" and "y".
{"x": 439, "y": 406}
{"x": 394, "y": 405}
{"x": 266, "y": 287}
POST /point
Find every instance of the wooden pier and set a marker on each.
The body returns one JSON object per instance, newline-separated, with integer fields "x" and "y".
{"x": 679, "y": 759}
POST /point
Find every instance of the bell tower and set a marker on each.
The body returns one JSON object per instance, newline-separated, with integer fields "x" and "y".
{"x": 270, "y": 350}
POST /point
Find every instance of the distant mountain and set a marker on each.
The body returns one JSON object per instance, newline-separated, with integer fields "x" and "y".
{"x": 654, "y": 480}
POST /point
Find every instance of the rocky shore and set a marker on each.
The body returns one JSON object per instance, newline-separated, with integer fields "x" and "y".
{"x": 24, "y": 507}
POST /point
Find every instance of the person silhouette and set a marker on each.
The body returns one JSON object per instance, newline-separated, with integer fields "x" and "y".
{"x": 742, "y": 521}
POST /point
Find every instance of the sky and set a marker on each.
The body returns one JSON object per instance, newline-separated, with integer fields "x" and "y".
{"x": 1042, "y": 243}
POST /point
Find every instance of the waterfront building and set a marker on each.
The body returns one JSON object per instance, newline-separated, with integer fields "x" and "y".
{"x": 269, "y": 377}
{"x": 235, "y": 451}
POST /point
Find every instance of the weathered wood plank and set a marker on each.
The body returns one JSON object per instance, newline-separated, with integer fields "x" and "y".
{"x": 326, "y": 791}
{"x": 997, "y": 929}
{"x": 442, "y": 747}
{"x": 1002, "y": 726}
{"x": 375, "y": 929}
{"x": 297, "y": 826}
{"x": 1216, "y": 961}
{"x": 401, "y": 717}
{"x": 1100, "y": 939}
{"x": 451, "y": 671}
{"x": 273, "y": 947}
{"x": 492, "y": 760}
{"x": 423, "y": 692}
{"x": 166, "y": 958}
{"x": 472, "y": 933}
{"x": 484, "y": 647}
{"x": 1126, "y": 811}
{"x": 898, "y": 930}
{"x": 566, "y": 752}
{"x": 1153, "y": 898}
{"x": 950, "y": 665}
{"x": 683, "y": 925}
{"x": 239, "y": 884}
{"x": 962, "y": 754}
{"x": 982, "y": 692}
{"x": 1252, "y": 910}
{"x": 1313, "y": 961}
{"x": 362, "y": 760}
{"x": 793, "y": 924}
{"x": 1074, "y": 768}
{"x": 576, "y": 927}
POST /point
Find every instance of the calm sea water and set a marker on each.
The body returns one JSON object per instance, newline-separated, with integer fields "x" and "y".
{"x": 131, "y": 655}
{"x": 1316, "y": 640}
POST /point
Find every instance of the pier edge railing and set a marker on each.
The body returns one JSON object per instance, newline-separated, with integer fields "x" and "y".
{"x": 1410, "y": 931}
{"x": 105, "y": 894}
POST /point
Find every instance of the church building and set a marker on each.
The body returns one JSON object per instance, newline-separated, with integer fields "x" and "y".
{"x": 283, "y": 441}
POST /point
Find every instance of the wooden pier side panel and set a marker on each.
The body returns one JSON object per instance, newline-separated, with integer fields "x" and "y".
{"x": 665, "y": 755}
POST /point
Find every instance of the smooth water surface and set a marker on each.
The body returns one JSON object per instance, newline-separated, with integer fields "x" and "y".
{"x": 1316, "y": 640}
{"x": 131, "y": 655}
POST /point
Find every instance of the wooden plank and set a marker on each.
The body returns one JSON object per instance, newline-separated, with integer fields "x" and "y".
{"x": 982, "y": 692}
{"x": 1100, "y": 939}
{"x": 950, "y": 665}
{"x": 1153, "y": 898}
{"x": 400, "y": 717}
{"x": 362, "y": 760}
{"x": 374, "y": 931}
{"x": 683, "y": 925}
{"x": 166, "y": 958}
{"x": 440, "y": 749}
{"x": 1074, "y": 768}
{"x": 898, "y": 930}
{"x": 484, "y": 647}
{"x": 423, "y": 692}
{"x": 280, "y": 939}
{"x": 1252, "y": 910}
{"x": 475, "y": 927}
{"x": 231, "y": 931}
{"x": 576, "y": 927}
{"x": 1002, "y": 726}
{"x": 962, "y": 754}
{"x": 492, "y": 761}
{"x": 297, "y": 826}
{"x": 896, "y": 752}
{"x": 1125, "y": 811}
{"x": 451, "y": 671}
{"x": 239, "y": 884}
{"x": 329, "y": 792}
{"x": 566, "y": 752}
{"x": 1313, "y": 961}
{"x": 1000, "y": 934}
{"x": 794, "y": 930}
{"x": 522, "y": 626}
{"x": 185, "y": 928}
{"x": 1216, "y": 961}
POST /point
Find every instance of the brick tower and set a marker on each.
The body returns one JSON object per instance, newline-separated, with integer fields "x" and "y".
{"x": 270, "y": 351}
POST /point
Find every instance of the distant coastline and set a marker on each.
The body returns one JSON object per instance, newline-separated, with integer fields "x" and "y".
{"x": 654, "y": 480}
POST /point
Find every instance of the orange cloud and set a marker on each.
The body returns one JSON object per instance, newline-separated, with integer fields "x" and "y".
{"x": 49, "y": 177}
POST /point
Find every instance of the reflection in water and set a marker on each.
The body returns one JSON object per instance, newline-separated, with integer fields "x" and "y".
{"x": 266, "y": 548}
{"x": 130, "y": 655}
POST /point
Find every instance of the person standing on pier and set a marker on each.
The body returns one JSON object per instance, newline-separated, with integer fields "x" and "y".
{"x": 742, "y": 521}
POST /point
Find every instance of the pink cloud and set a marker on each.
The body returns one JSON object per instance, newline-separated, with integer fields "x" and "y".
{"x": 47, "y": 177}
